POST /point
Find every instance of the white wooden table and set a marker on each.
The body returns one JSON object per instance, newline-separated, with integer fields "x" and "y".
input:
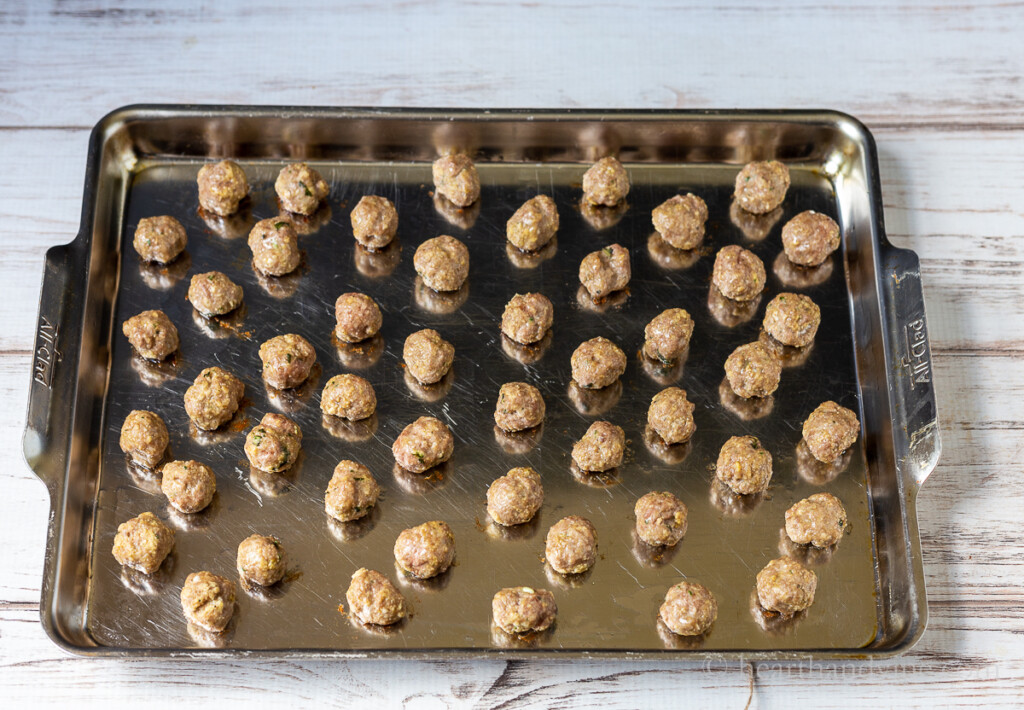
{"x": 940, "y": 86}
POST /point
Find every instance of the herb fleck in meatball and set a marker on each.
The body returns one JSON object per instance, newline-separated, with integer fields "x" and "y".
{"x": 689, "y": 609}
{"x": 374, "y": 222}
{"x": 520, "y": 610}
{"x": 571, "y": 545}
{"x": 426, "y": 550}
{"x": 351, "y": 493}
{"x": 520, "y": 406}
{"x": 792, "y": 319}
{"x": 534, "y": 224}
{"x": 373, "y": 599}
{"x": 680, "y": 220}
{"x": 606, "y": 183}
{"x": 527, "y": 317}
{"x": 213, "y": 398}
{"x": 753, "y": 370}
{"x": 597, "y": 363}
{"x": 601, "y": 448}
{"x": 274, "y": 444}
{"x": 660, "y": 519}
{"x": 428, "y": 356}
{"x": 423, "y": 444}
{"x": 442, "y": 263}
{"x": 744, "y": 465}
{"x": 300, "y": 188}
{"x": 144, "y": 437}
{"x": 152, "y": 334}
{"x": 761, "y": 186}
{"x": 221, "y": 187}
{"x": 455, "y": 178}
{"x": 160, "y": 239}
{"x": 287, "y": 360}
{"x": 188, "y": 485}
{"x": 671, "y": 416}
{"x": 358, "y": 317}
{"x": 208, "y": 600}
{"x": 667, "y": 336}
{"x": 809, "y": 238}
{"x": 275, "y": 246}
{"x": 349, "y": 397}
{"x": 261, "y": 560}
{"x": 830, "y": 430}
{"x": 516, "y": 497}
{"x": 785, "y": 586}
{"x": 818, "y": 520}
{"x": 143, "y": 543}
{"x": 738, "y": 273}
{"x": 605, "y": 270}
{"x": 214, "y": 294}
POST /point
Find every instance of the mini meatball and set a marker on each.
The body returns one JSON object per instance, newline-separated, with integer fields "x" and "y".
{"x": 516, "y": 497}
{"x": 442, "y": 263}
{"x": 738, "y": 273}
{"x": 144, "y": 437}
{"x": 143, "y": 543}
{"x": 527, "y": 317}
{"x": 534, "y": 224}
{"x": 372, "y": 599}
{"x": 667, "y": 336}
{"x": 152, "y": 335}
{"x": 660, "y": 519}
{"x": 456, "y": 178}
{"x": 785, "y": 586}
{"x": 819, "y": 520}
{"x": 188, "y": 485}
{"x": 261, "y": 560}
{"x": 214, "y": 294}
{"x": 374, "y": 222}
{"x": 274, "y": 444}
{"x": 287, "y": 360}
{"x": 426, "y": 550}
{"x": 520, "y": 406}
{"x": 208, "y": 600}
{"x": 597, "y": 363}
{"x": 222, "y": 186}
{"x": 761, "y": 186}
{"x": 423, "y": 444}
{"x": 830, "y": 430}
{"x": 571, "y": 545}
{"x": 275, "y": 246}
{"x": 809, "y": 238}
{"x": 300, "y": 188}
{"x": 605, "y": 271}
{"x": 213, "y": 398}
{"x": 792, "y": 319}
{"x": 520, "y": 610}
{"x": 606, "y": 183}
{"x": 358, "y": 317}
{"x": 349, "y": 397}
{"x": 671, "y": 416}
{"x": 689, "y": 609}
{"x": 160, "y": 239}
{"x": 351, "y": 493}
{"x": 428, "y": 356}
{"x": 744, "y": 465}
{"x": 753, "y": 370}
{"x": 601, "y": 448}
{"x": 680, "y": 221}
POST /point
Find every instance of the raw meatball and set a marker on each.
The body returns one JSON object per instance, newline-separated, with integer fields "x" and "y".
{"x": 274, "y": 444}
{"x": 761, "y": 186}
{"x": 667, "y": 336}
{"x": 159, "y": 239}
{"x": 660, "y": 519}
{"x": 423, "y": 444}
{"x": 349, "y": 397}
{"x": 351, "y": 493}
{"x": 689, "y": 609}
{"x": 372, "y": 599}
{"x": 818, "y": 520}
{"x": 753, "y": 370}
{"x": 738, "y": 273}
{"x": 671, "y": 415}
{"x": 275, "y": 246}
{"x": 680, "y": 220}
{"x": 597, "y": 363}
{"x": 214, "y": 294}
{"x": 213, "y": 398}
{"x": 571, "y": 545}
{"x": 785, "y": 586}
{"x": 287, "y": 360}
{"x": 221, "y": 187}
{"x": 606, "y": 183}
{"x": 428, "y": 356}
{"x": 605, "y": 270}
{"x": 792, "y": 319}
{"x": 208, "y": 600}
{"x": 520, "y": 406}
{"x": 188, "y": 485}
{"x": 358, "y": 317}
{"x": 830, "y": 430}
{"x": 809, "y": 238}
{"x": 520, "y": 610}
{"x": 152, "y": 335}
{"x": 455, "y": 177}
{"x": 426, "y": 550}
{"x": 527, "y": 317}
{"x": 516, "y": 497}
{"x": 143, "y": 543}
{"x": 442, "y": 263}
{"x": 601, "y": 448}
{"x": 261, "y": 560}
{"x": 300, "y": 188}
{"x": 534, "y": 224}
{"x": 744, "y": 465}
{"x": 144, "y": 437}
{"x": 374, "y": 222}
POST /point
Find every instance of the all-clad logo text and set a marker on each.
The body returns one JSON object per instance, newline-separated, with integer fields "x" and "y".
{"x": 46, "y": 355}
{"x": 918, "y": 366}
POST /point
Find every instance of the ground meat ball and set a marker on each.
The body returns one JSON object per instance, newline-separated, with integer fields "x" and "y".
{"x": 792, "y": 319}
{"x": 830, "y": 430}
{"x": 426, "y": 550}
{"x": 738, "y": 273}
{"x": 534, "y": 224}
{"x": 374, "y": 222}
{"x": 601, "y": 448}
{"x": 667, "y": 336}
{"x": 214, "y": 294}
{"x": 144, "y": 437}
{"x": 571, "y": 545}
{"x": 689, "y": 609}
{"x": 188, "y": 485}
{"x": 680, "y": 220}
{"x": 660, "y": 519}
{"x": 372, "y": 599}
{"x": 520, "y": 610}
{"x": 456, "y": 178}
{"x": 349, "y": 397}
{"x": 143, "y": 543}
{"x": 744, "y": 465}
{"x": 761, "y": 186}
{"x": 527, "y": 317}
{"x": 605, "y": 270}
{"x": 275, "y": 246}
{"x": 351, "y": 493}
{"x": 221, "y": 187}
{"x": 261, "y": 560}
{"x": 287, "y": 360}
{"x": 300, "y": 188}
{"x": 428, "y": 356}
{"x": 671, "y": 415}
{"x": 520, "y": 406}
{"x": 358, "y": 317}
{"x": 423, "y": 444}
{"x": 274, "y": 444}
{"x": 753, "y": 370}
{"x": 597, "y": 363}
{"x": 785, "y": 586}
{"x": 809, "y": 238}
{"x": 208, "y": 600}
{"x": 159, "y": 239}
{"x": 516, "y": 497}
{"x": 818, "y": 520}
{"x": 213, "y": 398}
{"x": 152, "y": 334}
{"x": 606, "y": 183}
{"x": 442, "y": 263}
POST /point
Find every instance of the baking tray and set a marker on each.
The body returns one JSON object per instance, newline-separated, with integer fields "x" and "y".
{"x": 870, "y": 354}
